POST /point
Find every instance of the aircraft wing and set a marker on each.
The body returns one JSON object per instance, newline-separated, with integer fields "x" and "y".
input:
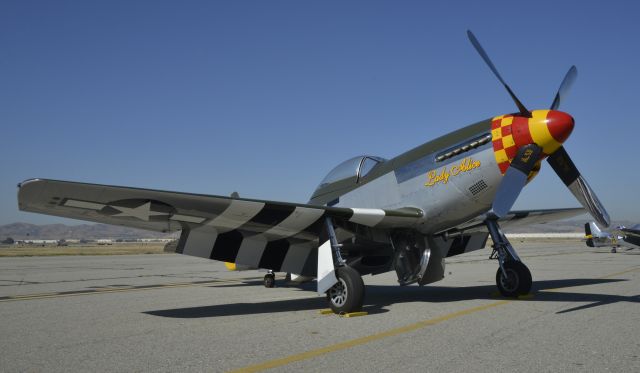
{"x": 266, "y": 234}
{"x": 524, "y": 218}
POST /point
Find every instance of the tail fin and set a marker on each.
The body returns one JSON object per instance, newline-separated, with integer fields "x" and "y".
{"x": 592, "y": 231}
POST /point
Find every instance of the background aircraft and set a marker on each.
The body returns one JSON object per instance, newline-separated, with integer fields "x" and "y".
{"x": 368, "y": 215}
{"x": 619, "y": 237}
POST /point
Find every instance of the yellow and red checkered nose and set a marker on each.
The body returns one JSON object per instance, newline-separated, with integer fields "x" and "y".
{"x": 546, "y": 128}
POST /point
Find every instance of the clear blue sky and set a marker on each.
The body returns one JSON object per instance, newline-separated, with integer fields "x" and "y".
{"x": 265, "y": 97}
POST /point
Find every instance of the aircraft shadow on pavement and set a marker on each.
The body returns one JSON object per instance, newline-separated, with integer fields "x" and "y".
{"x": 543, "y": 291}
{"x": 378, "y": 297}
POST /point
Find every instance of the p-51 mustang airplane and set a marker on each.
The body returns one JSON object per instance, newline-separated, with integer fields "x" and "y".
{"x": 619, "y": 237}
{"x": 368, "y": 215}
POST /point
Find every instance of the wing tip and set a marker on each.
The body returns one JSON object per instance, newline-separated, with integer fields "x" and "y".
{"x": 29, "y": 181}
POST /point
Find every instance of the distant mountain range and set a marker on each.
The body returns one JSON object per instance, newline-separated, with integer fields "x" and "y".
{"x": 25, "y": 231}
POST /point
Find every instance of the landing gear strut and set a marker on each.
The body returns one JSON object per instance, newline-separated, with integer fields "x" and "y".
{"x": 513, "y": 278}
{"x": 346, "y": 295}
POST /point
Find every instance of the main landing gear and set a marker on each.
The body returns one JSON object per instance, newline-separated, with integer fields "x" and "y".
{"x": 513, "y": 278}
{"x": 346, "y": 295}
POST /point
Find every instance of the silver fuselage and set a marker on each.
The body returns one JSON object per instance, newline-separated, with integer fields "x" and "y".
{"x": 453, "y": 197}
{"x": 450, "y": 191}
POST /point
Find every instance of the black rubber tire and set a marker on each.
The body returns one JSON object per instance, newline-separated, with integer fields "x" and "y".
{"x": 519, "y": 279}
{"x": 614, "y": 250}
{"x": 269, "y": 280}
{"x": 348, "y": 294}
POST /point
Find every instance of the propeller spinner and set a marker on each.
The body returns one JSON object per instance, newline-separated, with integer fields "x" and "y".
{"x": 523, "y": 139}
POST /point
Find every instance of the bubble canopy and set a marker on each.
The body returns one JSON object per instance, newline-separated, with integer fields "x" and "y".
{"x": 356, "y": 167}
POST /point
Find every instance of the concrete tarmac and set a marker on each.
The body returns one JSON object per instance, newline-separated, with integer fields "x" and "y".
{"x": 176, "y": 313}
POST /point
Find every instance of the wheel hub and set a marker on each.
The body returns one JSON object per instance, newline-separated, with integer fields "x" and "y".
{"x": 510, "y": 282}
{"x": 338, "y": 293}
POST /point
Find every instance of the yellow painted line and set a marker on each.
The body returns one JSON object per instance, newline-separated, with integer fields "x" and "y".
{"x": 367, "y": 339}
{"x": 112, "y": 290}
{"x": 56, "y": 295}
{"x": 32, "y": 295}
{"x": 526, "y": 296}
{"x": 621, "y": 273}
{"x": 496, "y": 294}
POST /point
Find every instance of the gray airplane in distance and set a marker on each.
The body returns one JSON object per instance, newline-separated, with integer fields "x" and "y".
{"x": 619, "y": 237}
{"x": 369, "y": 215}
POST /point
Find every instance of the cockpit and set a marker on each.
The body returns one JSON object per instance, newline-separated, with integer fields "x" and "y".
{"x": 348, "y": 173}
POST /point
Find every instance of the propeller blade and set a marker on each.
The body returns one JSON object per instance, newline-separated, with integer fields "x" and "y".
{"x": 515, "y": 179}
{"x": 565, "y": 86}
{"x": 487, "y": 60}
{"x": 571, "y": 177}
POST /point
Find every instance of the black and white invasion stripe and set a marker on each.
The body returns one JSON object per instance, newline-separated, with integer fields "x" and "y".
{"x": 274, "y": 236}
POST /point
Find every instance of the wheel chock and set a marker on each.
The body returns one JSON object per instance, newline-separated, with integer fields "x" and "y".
{"x": 354, "y": 314}
{"x": 329, "y": 311}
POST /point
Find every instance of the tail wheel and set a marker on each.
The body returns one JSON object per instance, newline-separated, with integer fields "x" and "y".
{"x": 517, "y": 280}
{"x": 347, "y": 294}
{"x": 269, "y": 280}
